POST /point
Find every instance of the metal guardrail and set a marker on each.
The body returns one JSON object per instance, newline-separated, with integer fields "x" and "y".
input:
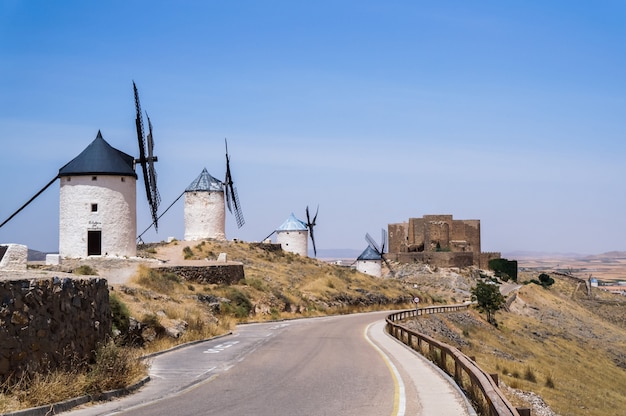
{"x": 478, "y": 386}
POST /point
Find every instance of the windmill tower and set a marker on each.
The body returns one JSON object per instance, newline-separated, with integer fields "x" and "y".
{"x": 293, "y": 236}
{"x": 206, "y": 199}
{"x": 98, "y": 214}
{"x": 370, "y": 262}
{"x": 205, "y": 209}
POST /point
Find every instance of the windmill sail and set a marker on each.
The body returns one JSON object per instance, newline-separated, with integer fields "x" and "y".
{"x": 29, "y": 201}
{"x": 310, "y": 225}
{"x": 147, "y": 161}
{"x": 232, "y": 198}
{"x": 378, "y": 249}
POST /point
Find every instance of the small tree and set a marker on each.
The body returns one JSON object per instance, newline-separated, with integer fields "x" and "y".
{"x": 544, "y": 280}
{"x": 489, "y": 299}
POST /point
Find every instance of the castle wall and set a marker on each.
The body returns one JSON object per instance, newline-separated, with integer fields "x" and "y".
{"x": 437, "y": 234}
{"x": 115, "y": 215}
{"x": 398, "y": 235}
{"x": 436, "y": 258}
{"x": 205, "y": 215}
{"x": 51, "y": 323}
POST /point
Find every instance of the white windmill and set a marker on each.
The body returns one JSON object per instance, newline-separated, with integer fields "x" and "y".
{"x": 293, "y": 234}
{"x": 371, "y": 259}
{"x": 206, "y": 199}
{"x": 98, "y": 204}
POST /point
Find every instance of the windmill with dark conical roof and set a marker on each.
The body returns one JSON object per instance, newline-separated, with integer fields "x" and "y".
{"x": 370, "y": 261}
{"x": 98, "y": 197}
{"x": 97, "y": 205}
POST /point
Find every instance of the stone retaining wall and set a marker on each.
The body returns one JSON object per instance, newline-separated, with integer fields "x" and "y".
{"x": 51, "y": 323}
{"x": 225, "y": 274}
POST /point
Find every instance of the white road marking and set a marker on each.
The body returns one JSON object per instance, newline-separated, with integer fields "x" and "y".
{"x": 221, "y": 347}
{"x": 278, "y": 326}
{"x": 207, "y": 371}
{"x": 399, "y": 407}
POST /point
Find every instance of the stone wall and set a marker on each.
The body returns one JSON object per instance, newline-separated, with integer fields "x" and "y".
{"x": 226, "y": 274}
{"x": 51, "y": 323}
{"x": 436, "y": 258}
{"x": 427, "y": 238}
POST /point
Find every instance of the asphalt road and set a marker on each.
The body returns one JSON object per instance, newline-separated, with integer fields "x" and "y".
{"x": 343, "y": 365}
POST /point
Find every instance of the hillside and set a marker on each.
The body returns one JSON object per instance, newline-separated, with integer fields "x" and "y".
{"x": 559, "y": 343}
{"x": 568, "y": 348}
{"x": 277, "y": 285}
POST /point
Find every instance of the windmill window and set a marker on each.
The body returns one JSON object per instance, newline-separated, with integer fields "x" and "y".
{"x": 94, "y": 207}
{"x": 123, "y": 179}
{"x": 94, "y": 178}
{"x": 69, "y": 179}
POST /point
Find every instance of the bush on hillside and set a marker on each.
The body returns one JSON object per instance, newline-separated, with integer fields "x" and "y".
{"x": 504, "y": 268}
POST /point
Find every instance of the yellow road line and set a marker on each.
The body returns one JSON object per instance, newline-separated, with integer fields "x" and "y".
{"x": 399, "y": 402}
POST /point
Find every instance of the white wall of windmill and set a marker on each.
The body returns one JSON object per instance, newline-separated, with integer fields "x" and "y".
{"x": 107, "y": 204}
{"x": 296, "y": 242}
{"x": 371, "y": 267}
{"x": 205, "y": 215}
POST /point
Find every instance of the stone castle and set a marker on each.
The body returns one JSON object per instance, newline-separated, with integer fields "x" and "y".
{"x": 438, "y": 240}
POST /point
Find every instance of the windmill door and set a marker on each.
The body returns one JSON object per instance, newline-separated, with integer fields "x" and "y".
{"x": 94, "y": 243}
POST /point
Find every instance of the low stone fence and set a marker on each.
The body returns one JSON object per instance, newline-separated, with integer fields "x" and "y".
{"x": 479, "y": 386}
{"x": 222, "y": 274}
{"x": 51, "y": 323}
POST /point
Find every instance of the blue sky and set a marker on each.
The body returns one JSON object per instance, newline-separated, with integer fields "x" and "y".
{"x": 510, "y": 112}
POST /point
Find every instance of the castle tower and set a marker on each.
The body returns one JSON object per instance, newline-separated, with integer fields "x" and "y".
{"x": 369, "y": 262}
{"x": 98, "y": 203}
{"x": 293, "y": 236}
{"x": 205, "y": 211}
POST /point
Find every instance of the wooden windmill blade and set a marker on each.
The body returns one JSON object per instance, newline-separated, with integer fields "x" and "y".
{"x": 152, "y": 176}
{"x": 147, "y": 161}
{"x": 29, "y": 201}
{"x": 380, "y": 251}
{"x": 383, "y": 240}
{"x": 310, "y": 225}
{"x": 232, "y": 197}
{"x": 373, "y": 243}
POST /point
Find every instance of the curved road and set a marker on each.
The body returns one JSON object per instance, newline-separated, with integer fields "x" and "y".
{"x": 342, "y": 365}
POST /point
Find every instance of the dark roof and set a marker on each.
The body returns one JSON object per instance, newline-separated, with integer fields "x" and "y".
{"x": 369, "y": 254}
{"x": 99, "y": 158}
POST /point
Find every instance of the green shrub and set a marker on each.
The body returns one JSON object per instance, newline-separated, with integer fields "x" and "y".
{"x": 158, "y": 281}
{"x": 258, "y": 284}
{"x": 544, "y": 280}
{"x": 85, "y": 270}
{"x": 504, "y": 268}
{"x": 240, "y": 304}
{"x": 120, "y": 312}
{"x": 187, "y": 253}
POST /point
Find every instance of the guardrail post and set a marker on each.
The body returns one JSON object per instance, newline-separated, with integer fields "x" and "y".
{"x": 523, "y": 411}
{"x": 458, "y": 374}
{"x": 495, "y": 379}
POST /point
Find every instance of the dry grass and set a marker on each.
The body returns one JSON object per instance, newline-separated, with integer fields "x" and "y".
{"x": 115, "y": 367}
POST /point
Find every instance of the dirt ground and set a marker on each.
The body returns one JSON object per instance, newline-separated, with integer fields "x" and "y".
{"x": 606, "y": 267}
